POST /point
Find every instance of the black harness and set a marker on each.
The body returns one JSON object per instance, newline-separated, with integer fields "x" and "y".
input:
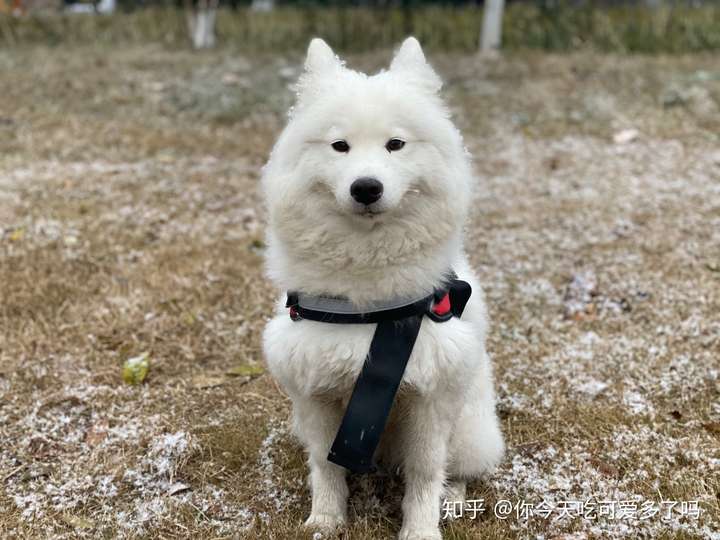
{"x": 383, "y": 369}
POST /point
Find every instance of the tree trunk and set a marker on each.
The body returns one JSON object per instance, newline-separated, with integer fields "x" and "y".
{"x": 262, "y": 5}
{"x": 201, "y": 22}
{"x": 491, "y": 36}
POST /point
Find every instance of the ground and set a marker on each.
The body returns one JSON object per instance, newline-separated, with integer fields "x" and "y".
{"x": 130, "y": 224}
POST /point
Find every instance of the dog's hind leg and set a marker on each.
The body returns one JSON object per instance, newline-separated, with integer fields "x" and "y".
{"x": 476, "y": 446}
{"x": 316, "y": 422}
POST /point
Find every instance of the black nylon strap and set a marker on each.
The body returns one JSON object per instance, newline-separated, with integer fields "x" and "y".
{"x": 374, "y": 392}
{"x": 460, "y": 292}
{"x": 417, "y": 308}
{"x": 373, "y": 395}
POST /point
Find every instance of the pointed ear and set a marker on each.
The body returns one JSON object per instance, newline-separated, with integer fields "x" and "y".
{"x": 320, "y": 62}
{"x": 320, "y": 58}
{"x": 409, "y": 55}
{"x": 410, "y": 61}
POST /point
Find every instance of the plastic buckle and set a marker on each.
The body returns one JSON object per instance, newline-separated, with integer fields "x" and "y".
{"x": 440, "y": 297}
{"x": 292, "y": 303}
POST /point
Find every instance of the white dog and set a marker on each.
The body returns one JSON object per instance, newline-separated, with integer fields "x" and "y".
{"x": 367, "y": 190}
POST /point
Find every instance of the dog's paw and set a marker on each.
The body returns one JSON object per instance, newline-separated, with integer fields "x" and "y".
{"x": 408, "y": 533}
{"x": 324, "y": 522}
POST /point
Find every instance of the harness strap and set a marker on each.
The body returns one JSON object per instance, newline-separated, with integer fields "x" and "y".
{"x": 299, "y": 311}
{"x": 390, "y": 349}
{"x": 373, "y": 395}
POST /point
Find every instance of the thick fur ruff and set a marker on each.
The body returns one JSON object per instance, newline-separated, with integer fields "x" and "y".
{"x": 443, "y": 426}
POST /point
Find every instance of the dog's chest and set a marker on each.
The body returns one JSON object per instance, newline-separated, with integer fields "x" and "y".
{"x": 311, "y": 358}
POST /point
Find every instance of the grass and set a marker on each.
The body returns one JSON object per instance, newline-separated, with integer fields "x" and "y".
{"x": 552, "y": 26}
{"x": 130, "y": 222}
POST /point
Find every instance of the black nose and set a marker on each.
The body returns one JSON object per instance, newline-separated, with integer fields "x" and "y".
{"x": 366, "y": 190}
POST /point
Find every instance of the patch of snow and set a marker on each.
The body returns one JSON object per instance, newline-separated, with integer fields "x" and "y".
{"x": 626, "y": 136}
{"x": 274, "y": 494}
{"x": 636, "y": 403}
{"x": 579, "y": 293}
{"x": 540, "y": 289}
{"x": 592, "y": 387}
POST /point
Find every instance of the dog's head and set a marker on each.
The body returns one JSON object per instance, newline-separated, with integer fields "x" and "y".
{"x": 369, "y": 169}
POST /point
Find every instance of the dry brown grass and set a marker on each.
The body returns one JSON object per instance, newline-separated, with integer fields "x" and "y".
{"x": 130, "y": 222}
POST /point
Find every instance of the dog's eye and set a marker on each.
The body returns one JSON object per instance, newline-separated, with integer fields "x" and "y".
{"x": 393, "y": 145}
{"x": 341, "y": 146}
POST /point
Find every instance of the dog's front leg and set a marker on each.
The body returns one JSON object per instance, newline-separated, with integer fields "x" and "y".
{"x": 316, "y": 423}
{"x": 425, "y": 443}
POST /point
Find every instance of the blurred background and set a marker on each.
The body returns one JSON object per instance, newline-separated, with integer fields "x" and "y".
{"x": 134, "y": 402}
{"x": 650, "y": 26}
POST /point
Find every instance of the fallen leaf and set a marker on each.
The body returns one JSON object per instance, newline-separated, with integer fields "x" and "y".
{"x": 257, "y": 245}
{"x": 246, "y": 370}
{"x": 78, "y": 522}
{"x": 70, "y": 240}
{"x": 605, "y": 468}
{"x": 177, "y": 488}
{"x": 712, "y": 427}
{"x": 207, "y": 381}
{"x": 136, "y": 369}
{"x": 626, "y": 136}
{"x": 17, "y": 235}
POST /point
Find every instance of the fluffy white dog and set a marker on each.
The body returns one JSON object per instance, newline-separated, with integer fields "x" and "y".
{"x": 367, "y": 190}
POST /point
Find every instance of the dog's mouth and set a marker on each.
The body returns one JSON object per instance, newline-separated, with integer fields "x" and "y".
{"x": 367, "y": 212}
{"x": 378, "y": 209}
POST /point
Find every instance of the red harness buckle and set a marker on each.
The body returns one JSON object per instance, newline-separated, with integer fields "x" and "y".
{"x": 441, "y": 310}
{"x": 443, "y": 306}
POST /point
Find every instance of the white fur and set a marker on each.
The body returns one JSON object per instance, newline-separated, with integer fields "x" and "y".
{"x": 443, "y": 425}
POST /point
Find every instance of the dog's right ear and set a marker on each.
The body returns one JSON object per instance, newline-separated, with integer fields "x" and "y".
{"x": 320, "y": 62}
{"x": 320, "y": 58}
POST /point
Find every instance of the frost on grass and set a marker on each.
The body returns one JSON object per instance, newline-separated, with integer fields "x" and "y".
{"x": 273, "y": 493}
{"x": 599, "y": 261}
{"x": 579, "y": 295}
{"x": 162, "y": 493}
{"x": 558, "y": 479}
{"x": 76, "y": 460}
{"x": 156, "y": 470}
{"x": 615, "y": 332}
{"x": 189, "y": 213}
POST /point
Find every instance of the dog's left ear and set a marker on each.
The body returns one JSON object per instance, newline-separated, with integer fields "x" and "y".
{"x": 410, "y": 61}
